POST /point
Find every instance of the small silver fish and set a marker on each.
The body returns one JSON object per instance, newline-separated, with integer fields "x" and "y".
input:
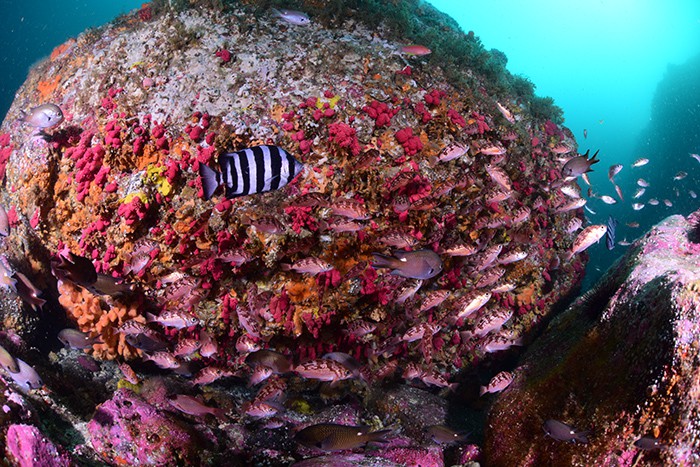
{"x": 44, "y": 116}
{"x": 640, "y": 162}
{"x": 563, "y": 432}
{"x": 680, "y": 175}
{"x": 297, "y": 18}
{"x": 639, "y": 206}
{"x": 421, "y": 264}
{"x": 614, "y": 170}
{"x": 639, "y": 193}
{"x": 643, "y": 183}
{"x": 608, "y": 199}
{"x": 653, "y": 202}
{"x": 695, "y": 156}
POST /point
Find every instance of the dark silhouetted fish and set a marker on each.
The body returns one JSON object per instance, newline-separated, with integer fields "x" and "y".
{"x": 649, "y": 443}
{"x": 579, "y": 165}
{"x": 252, "y": 170}
{"x": 421, "y": 264}
{"x": 563, "y": 432}
{"x": 334, "y": 437}
{"x": 610, "y": 233}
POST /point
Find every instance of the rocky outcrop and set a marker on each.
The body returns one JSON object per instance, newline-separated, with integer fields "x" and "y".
{"x": 445, "y": 153}
{"x": 622, "y": 362}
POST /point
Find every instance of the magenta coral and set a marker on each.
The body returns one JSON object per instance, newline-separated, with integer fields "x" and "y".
{"x": 5, "y": 152}
{"x": 344, "y": 136}
{"x": 133, "y": 211}
{"x": 380, "y": 112}
{"x": 224, "y": 55}
{"x": 411, "y": 144}
{"x": 480, "y": 122}
{"x": 458, "y": 120}
{"x": 301, "y": 218}
{"x": 433, "y": 97}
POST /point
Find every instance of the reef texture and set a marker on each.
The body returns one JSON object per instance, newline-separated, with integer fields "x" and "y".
{"x": 621, "y": 361}
{"x": 401, "y": 152}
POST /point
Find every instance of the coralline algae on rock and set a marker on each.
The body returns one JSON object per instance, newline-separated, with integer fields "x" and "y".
{"x": 126, "y": 430}
{"x": 620, "y": 362}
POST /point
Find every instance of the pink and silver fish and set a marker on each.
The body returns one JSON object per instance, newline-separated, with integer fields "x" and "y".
{"x": 323, "y": 370}
{"x": 640, "y": 162}
{"x": 574, "y": 224}
{"x": 164, "y": 360}
{"x": 407, "y": 290}
{"x": 498, "y": 383}
{"x": 614, "y": 170}
{"x": 350, "y": 208}
{"x": 173, "y": 319}
{"x": 433, "y": 299}
{"x": 458, "y": 249}
{"x": 450, "y": 152}
{"x": 492, "y": 321}
{"x": 571, "y": 205}
{"x": 310, "y": 265}
{"x": 512, "y": 257}
{"x": 487, "y": 257}
{"x": 496, "y": 342}
{"x": 499, "y": 176}
{"x": 471, "y": 303}
{"x": 418, "y": 331}
{"x": 643, "y": 183}
{"x": 44, "y": 116}
{"x": 398, "y": 239}
{"x": 588, "y": 236}
{"x": 193, "y": 406}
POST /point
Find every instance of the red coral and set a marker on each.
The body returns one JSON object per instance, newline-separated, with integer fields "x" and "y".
{"x": 380, "y": 113}
{"x": 224, "y": 55}
{"x": 423, "y": 112}
{"x": 133, "y": 211}
{"x": 5, "y": 152}
{"x": 301, "y": 218}
{"x": 458, "y": 120}
{"x": 433, "y": 97}
{"x": 480, "y": 122}
{"x": 411, "y": 144}
{"x": 344, "y": 136}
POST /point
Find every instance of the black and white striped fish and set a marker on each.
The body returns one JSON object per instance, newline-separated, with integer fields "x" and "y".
{"x": 252, "y": 170}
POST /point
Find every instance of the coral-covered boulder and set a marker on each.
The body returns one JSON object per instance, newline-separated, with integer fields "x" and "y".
{"x": 127, "y": 430}
{"x": 398, "y": 152}
{"x": 26, "y": 446}
{"x": 621, "y": 363}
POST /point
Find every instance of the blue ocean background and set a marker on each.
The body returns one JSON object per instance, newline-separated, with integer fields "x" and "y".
{"x": 601, "y": 61}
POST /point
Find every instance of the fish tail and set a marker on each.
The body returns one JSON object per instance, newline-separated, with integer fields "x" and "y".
{"x": 382, "y": 261}
{"x": 211, "y": 179}
{"x": 482, "y": 391}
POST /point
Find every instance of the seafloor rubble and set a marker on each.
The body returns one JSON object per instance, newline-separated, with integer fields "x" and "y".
{"x": 620, "y": 363}
{"x": 402, "y": 152}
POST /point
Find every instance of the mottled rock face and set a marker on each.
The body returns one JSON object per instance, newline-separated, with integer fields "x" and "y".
{"x": 620, "y": 362}
{"x": 125, "y": 429}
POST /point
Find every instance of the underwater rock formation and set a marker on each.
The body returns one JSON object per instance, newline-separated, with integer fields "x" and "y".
{"x": 440, "y": 167}
{"x": 620, "y": 362}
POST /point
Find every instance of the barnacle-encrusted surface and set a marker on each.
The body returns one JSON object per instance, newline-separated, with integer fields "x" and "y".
{"x": 621, "y": 362}
{"x": 149, "y": 98}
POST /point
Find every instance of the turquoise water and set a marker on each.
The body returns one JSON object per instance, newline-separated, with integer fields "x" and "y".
{"x": 601, "y": 61}
{"x": 30, "y": 30}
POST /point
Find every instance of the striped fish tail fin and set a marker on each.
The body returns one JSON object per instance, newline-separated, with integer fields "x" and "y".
{"x": 211, "y": 179}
